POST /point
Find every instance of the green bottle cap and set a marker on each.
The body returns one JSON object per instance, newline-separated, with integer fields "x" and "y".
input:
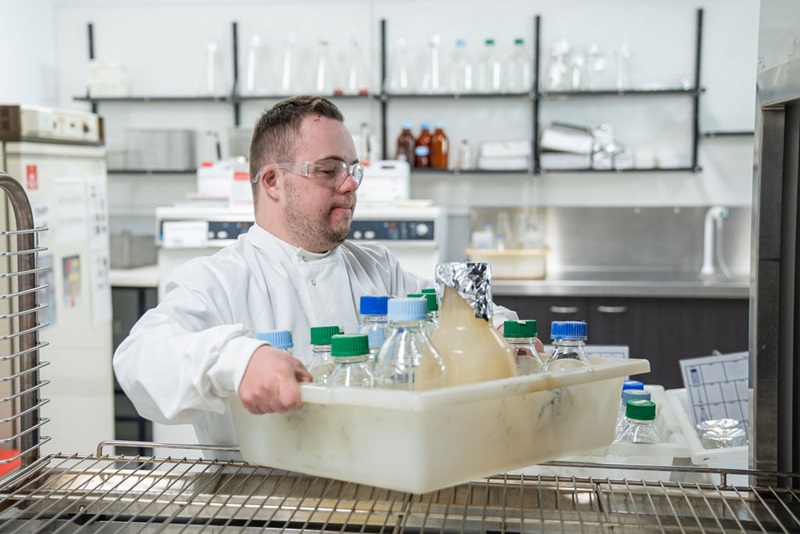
{"x": 321, "y": 335}
{"x": 428, "y": 290}
{"x": 643, "y": 410}
{"x": 433, "y": 305}
{"x": 349, "y": 345}
{"x": 520, "y": 328}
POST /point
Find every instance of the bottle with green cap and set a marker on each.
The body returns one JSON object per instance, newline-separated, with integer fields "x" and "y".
{"x": 640, "y": 416}
{"x": 627, "y": 395}
{"x": 433, "y": 307}
{"x": 408, "y": 360}
{"x": 521, "y": 335}
{"x": 351, "y": 361}
{"x": 321, "y": 360}
{"x": 280, "y": 339}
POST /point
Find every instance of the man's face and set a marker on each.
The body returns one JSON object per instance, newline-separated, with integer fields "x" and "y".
{"x": 317, "y": 214}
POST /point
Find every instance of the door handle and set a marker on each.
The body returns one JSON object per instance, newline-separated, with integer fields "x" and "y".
{"x": 563, "y": 309}
{"x": 612, "y": 309}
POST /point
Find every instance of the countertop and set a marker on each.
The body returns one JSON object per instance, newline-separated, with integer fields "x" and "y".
{"x": 625, "y": 284}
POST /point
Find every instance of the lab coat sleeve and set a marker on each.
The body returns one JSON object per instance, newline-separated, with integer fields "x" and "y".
{"x": 181, "y": 359}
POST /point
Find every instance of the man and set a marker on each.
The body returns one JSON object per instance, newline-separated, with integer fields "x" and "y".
{"x": 293, "y": 270}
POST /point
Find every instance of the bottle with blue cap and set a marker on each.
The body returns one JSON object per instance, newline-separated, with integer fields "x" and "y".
{"x": 373, "y": 321}
{"x": 280, "y": 339}
{"x": 628, "y": 395}
{"x": 322, "y": 363}
{"x": 408, "y": 360}
{"x": 351, "y": 361}
{"x": 569, "y": 338}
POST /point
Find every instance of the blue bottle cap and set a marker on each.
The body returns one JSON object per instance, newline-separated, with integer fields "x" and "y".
{"x": 568, "y": 330}
{"x": 634, "y": 394}
{"x": 425, "y": 126}
{"x": 632, "y": 384}
{"x": 406, "y": 125}
{"x": 461, "y": 42}
{"x": 372, "y": 305}
{"x": 280, "y": 339}
{"x": 405, "y": 309}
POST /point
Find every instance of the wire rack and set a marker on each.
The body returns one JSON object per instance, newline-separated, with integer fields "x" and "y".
{"x": 116, "y": 493}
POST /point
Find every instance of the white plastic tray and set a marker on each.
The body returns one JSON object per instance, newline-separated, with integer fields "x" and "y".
{"x": 732, "y": 457}
{"x": 672, "y": 446}
{"x": 424, "y": 441}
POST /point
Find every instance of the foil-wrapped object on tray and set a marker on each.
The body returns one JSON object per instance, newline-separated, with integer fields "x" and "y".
{"x": 722, "y": 433}
{"x": 472, "y": 280}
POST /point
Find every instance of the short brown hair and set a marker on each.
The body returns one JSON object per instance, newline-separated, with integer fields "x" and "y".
{"x": 278, "y": 128}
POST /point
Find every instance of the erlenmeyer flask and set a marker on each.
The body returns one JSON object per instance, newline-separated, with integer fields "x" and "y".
{"x": 358, "y": 72}
{"x": 400, "y": 74}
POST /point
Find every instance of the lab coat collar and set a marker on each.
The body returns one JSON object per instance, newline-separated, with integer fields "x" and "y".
{"x": 263, "y": 239}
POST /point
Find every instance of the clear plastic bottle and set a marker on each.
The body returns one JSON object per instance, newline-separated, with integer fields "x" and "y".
{"x": 519, "y": 71}
{"x": 358, "y": 72}
{"x": 640, "y": 426}
{"x": 280, "y": 339}
{"x": 400, "y": 74}
{"x": 288, "y": 77}
{"x": 521, "y": 335}
{"x": 628, "y": 394}
{"x": 465, "y": 160}
{"x": 251, "y": 83}
{"x": 569, "y": 338}
{"x": 373, "y": 321}
{"x": 405, "y": 145}
{"x": 351, "y": 361}
{"x": 323, "y": 81}
{"x": 490, "y": 70}
{"x": 461, "y": 70}
{"x": 321, "y": 360}
{"x": 432, "y": 78}
{"x": 408, "y": 360}
{"x": 440, "y": 147}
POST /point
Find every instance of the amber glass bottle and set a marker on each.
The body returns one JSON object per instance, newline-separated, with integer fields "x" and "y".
{"x": 440, "y": 148}
{"x": 425, "y": 140}
{"x": 405, "y": 144}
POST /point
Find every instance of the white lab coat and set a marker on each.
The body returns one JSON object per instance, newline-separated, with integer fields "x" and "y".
{"x": 184, "y": 358}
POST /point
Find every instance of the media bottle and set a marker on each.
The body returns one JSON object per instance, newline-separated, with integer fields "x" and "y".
{"x": 408, "y": 360}
{"x": 521, "y": 335}
{"x": 373, "y": 321}
{"x": 351, "y": 361}
{"x": 640, "y": 426}
{"x": 280, "y": 339}
{"x": 440, "y": 148}
{"x": 490, "y": 70}
{"x": 628, "y": 395}
{"x": 472, "y": 349}
{"x": 519, "y": 72}
{"x": 321, "y": 360}
{"x": 461, "y": 71}
{"x": 569, "y": 338}
{"x": 433, "y": 307}
{"x": 405, "y": 145}
{"x": 423, "y": 140}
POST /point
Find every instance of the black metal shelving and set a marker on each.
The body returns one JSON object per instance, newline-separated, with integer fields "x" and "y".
{"x": 534, "y": 96}
{"x": 151, "y": 171}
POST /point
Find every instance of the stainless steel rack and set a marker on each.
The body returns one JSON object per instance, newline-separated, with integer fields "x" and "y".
{"x": 110, "y": 493}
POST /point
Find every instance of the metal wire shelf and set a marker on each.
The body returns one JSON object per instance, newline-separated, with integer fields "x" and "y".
{"x": 117, "y": 493}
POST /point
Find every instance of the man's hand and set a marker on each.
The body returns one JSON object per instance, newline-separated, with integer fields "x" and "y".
{"x": 271, "y": 382}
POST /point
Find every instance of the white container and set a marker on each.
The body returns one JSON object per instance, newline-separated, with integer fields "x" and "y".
{"x": 730, "y": 457}
{"x": 425, "y": 441}
{"x": 671, "y": 447}
{"x": 513, "y": 264}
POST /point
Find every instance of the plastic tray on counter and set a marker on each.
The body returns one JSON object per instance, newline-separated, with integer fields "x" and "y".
{"x": 672, "y": 446}
{"x": 424, "y": 441}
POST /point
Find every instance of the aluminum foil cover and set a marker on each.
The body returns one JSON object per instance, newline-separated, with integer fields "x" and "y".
{"x": 472, "y": 280}
{"x": 721, "y": 433}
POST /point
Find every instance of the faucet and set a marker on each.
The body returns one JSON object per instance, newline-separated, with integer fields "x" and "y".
{"x": 714, "y": 218}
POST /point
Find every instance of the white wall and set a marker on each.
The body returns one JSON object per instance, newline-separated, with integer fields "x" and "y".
{"x": 28, "y": 52}
{"x": 162, "y": 45}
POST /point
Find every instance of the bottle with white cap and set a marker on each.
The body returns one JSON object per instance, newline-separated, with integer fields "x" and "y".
{"x": 408, "y": 360}
{"x": 569, "y": 338}
{"x": 280, "y": 339}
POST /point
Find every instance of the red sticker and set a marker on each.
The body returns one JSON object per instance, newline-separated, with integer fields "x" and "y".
{"x": 31, "y": 177}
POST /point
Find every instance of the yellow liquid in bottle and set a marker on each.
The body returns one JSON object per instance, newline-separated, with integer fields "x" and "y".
{"x": 471, "y": 348}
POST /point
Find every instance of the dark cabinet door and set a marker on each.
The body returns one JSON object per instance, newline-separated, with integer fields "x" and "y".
{"x": 546, "y": 310}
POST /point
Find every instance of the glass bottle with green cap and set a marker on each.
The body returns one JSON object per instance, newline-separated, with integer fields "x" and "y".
{"x": 321, "y": 360}
{"x": 628, "y": 395}
{"x": 640, "y": 418}
{"x": 280, "y": 339}
{"x": 521, "y": 335}
{"x": 433, "y": 307}
{"x": 408, "y": 360}
{"x": 351, "y": 367}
